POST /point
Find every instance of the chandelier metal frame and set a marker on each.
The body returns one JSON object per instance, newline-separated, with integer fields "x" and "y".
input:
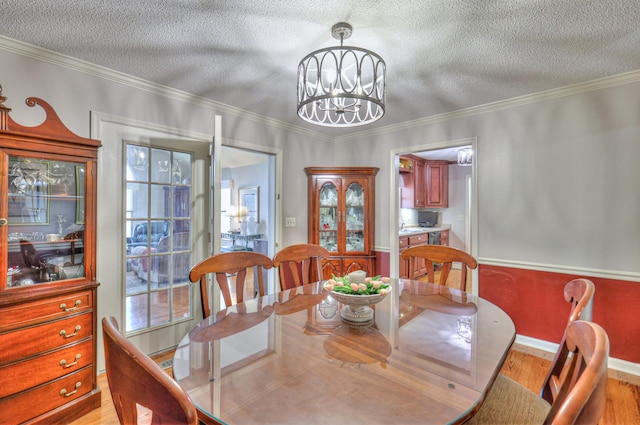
{"x": 341, "y": 86}
{"x": 465, "y": 157}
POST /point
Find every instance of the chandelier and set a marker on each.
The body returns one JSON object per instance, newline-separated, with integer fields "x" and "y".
{"x": 465, "y": 156}
{"x": 341, "y": 86}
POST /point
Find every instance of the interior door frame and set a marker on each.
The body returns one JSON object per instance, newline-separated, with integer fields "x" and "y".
{"x": 394, "y": 205}
{"x": 276, "y": 209}
{"x": 112, "y": 130}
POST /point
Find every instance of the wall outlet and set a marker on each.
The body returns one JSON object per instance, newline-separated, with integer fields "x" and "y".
{"x": 290, "y": 222}
{"x": 460, "y": 217}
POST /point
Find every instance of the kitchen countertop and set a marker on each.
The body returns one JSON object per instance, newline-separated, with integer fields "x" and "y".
{"x": 417, "y": 230}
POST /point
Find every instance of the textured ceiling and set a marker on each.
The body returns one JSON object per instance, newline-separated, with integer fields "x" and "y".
{"x": 441, "y": 55}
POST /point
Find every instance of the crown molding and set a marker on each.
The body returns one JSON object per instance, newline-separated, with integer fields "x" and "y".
{"x": 588, "y": 86}
{"x": 65, "y": 61}
{"x": 79, "y": 65}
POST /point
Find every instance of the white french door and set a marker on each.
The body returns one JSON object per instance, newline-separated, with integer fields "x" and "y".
{"x": 115, "y": 225}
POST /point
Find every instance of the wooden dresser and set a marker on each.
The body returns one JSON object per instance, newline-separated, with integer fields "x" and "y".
{"x": 48, "y": 290}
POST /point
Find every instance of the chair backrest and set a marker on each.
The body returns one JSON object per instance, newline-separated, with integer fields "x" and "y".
{"x": 299, "y": 264}
{"x": 579, "y": 293}
{"x": 439, "y": 254}
{"x": 136, "y": 379}
{"x": 582, "y": 392}
{"x": 224, "y": 264}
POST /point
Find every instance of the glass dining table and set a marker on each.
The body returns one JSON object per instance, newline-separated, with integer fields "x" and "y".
{"x": 429, "y": 356}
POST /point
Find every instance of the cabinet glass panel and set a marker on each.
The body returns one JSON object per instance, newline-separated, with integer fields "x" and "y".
{"x": 45, "y": 220}
{"x": 328, "y": 216}
{"x": 355, "y": 217}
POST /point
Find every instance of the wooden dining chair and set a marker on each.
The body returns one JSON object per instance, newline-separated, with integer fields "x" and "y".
{"x": 579, "y": 294}
{"x": 225, "y": 264}
{"x": 134, "y": 379}
{"x": 439, "y": 254}
{"x": 299, "y": 264}
{"x": 581, "y": 396}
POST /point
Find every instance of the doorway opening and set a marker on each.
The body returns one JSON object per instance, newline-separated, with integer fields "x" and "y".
{"x": 454, "y": 206}
{"x": 248, "y": 203}
{"x": 455, "y": 214}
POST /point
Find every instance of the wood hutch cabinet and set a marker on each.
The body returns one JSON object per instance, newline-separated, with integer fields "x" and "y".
{"x": 48, "y": 288}
{"x": 342, "y": 218}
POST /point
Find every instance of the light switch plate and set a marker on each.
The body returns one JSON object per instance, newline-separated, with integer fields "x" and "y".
{"x": 290, "y": 222}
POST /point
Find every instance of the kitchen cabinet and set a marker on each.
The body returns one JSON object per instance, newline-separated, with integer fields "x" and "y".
{"x": 341, "y": 217}
{"x": 413, "y": 192}
{"x": 444, "y": 237}
{"x": 48, "y": 288}
{"x": 409, "y": 242}
{"x": 417, "y": 239}
{"x": 403, "y": 264}
{"x": 437, "y": 180}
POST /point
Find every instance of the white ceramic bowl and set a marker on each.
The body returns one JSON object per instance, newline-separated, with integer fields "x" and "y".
{"x": 358, "y": 300}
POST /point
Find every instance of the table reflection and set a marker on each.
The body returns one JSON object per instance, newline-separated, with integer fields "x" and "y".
{"x": 453, "y": 347}
{"x": 358, "y": 345}
{"x": 422, "y": 352}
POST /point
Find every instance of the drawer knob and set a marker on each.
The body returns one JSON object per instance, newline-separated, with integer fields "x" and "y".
{"x": 64, "y": 393}
{"x": 64, "y": 333}
{"x": 63, "y": 306}
{"x": 65, "y": 365}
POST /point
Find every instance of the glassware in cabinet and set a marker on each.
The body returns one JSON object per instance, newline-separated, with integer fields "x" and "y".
{"x": 341, "y": 204}
{"x": 45, "y": 220}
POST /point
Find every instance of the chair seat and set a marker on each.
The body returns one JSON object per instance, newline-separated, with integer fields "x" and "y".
{"x": 525, "y": 406}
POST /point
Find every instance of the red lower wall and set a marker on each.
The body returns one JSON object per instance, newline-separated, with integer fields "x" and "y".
{"x": 535, "y": 302}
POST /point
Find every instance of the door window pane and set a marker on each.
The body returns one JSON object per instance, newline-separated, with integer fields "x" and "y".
{"x": 158, "y": 236}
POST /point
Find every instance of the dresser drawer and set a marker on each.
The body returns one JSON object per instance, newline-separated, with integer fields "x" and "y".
{"x": 44, "y": 310}
{"x": 404, "y": 242}
{"x": 38, "y": 339}
{"x": 18, "y": 377}
{"x": 32, "y": 403}
{"x": 444, "y": 234}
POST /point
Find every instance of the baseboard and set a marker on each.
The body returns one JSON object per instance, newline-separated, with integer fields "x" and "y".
{"x": 619, "y": 369}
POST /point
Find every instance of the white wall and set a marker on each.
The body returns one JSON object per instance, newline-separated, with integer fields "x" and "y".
{"x": 457, "y": 196}
{"x": 557, "y": 177}
{"x": 254, "y": 175}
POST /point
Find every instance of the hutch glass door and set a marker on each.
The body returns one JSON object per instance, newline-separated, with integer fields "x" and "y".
{"x": 354, "y": 211}
{"x": 329, "y": 217}
{"x": 45, "y": 220}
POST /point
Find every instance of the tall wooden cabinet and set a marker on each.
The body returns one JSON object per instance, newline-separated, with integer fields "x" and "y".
{"x": 342, "y": 217}
{"x": 48, "y": 288}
